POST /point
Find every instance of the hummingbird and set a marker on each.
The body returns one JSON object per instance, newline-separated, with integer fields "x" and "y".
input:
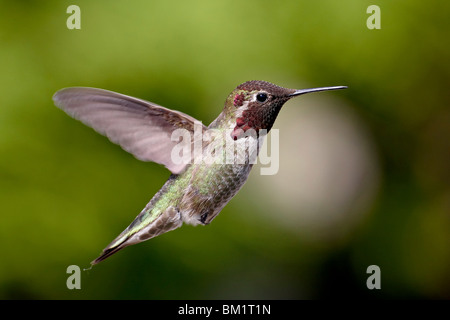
{"x": 199, "y": 187}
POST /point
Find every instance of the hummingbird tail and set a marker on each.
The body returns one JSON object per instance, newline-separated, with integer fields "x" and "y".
{"x": 140, "y": 230}
{"x": 111, "y": 249}
{"x": 106, "y": 253}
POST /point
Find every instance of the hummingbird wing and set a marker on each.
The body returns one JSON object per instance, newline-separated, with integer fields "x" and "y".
{"x": 140, "y": 127}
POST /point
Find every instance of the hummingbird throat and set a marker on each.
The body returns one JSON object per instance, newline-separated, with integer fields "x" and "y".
{"x": 241, "y": 128}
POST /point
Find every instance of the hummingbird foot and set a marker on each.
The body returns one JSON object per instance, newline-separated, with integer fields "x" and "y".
{"x": 203, "y": 218}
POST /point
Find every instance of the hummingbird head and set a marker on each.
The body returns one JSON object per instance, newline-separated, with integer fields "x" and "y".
{"x": 255, "y": 104}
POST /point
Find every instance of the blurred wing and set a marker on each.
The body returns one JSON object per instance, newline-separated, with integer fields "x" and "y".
{"x": 140, "y": 127}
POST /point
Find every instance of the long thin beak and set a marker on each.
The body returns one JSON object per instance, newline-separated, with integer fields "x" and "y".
{"x": 303, "y": 91}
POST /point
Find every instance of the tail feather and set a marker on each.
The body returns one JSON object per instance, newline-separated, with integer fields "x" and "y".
{"x": 110, "y": 250}
{"x": 105, "y": 254}
{"x": 140, "y": 230}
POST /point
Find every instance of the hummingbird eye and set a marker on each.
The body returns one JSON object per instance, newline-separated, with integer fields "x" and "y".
{"x": 261, "y": 97}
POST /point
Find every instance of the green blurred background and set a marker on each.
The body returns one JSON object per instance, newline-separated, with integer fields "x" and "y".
{"x": 364, "y": 173}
